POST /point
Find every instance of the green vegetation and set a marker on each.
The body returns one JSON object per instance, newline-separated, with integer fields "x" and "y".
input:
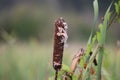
{"x": 90, "y": 68}
{"x": 32, "y": 60}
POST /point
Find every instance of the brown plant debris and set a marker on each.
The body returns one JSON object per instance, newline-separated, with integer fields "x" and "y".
{"x": 76, "y": 60}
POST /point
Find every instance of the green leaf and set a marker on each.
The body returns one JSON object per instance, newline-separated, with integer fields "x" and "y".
{"x": 82, "y": 61}
{"x": 109, "y": 15}
{"x": 74, "y": 77}
{"x": 65, "y": 68}
{"x": 98, "y": 36}
{"x": 91, "y": 44}
{"x": 117, "y": 8}
{"x": 100, "y": 27}
{"x": 60, "y": 73}
{"x": 104, "y": 28}
{"x": 119, "y": 3}
{"x": 96, "y": 10}
{"x": 119, "y": 20}
{"x": 89, "y": 47}
{"x": 90, "y": 39}
{"x": 94, "y": 39}
{"x": 99, "y": 33}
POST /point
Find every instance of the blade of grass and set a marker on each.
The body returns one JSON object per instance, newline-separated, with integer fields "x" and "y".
{"x": 96, "y": 11}
{"x": 91, "y": 40}
{"x": 89, "y": 44}
{"x": 102, "y": 42}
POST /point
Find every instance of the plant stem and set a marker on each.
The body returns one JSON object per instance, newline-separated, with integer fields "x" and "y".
{"x": 91, "y": 59}
{"x": 56, "y": 74}
{"x": 112, "y": 20}
{"x": 101, "y": 50}
{"x": 100, "y": 58}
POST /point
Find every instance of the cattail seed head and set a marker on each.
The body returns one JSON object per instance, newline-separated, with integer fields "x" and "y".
{"x": 60, "y": 38}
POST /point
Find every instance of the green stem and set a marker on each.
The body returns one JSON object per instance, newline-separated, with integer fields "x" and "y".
{"x": 112, "y": 20}
{"x": 88, "y": 76}
{"x": 91, "y": 60}
{"x": 101, "y": 51}
{"x": 100, "y": 58}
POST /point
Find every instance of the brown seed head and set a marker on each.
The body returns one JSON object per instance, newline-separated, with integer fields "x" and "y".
{"x": 60, "y": 37}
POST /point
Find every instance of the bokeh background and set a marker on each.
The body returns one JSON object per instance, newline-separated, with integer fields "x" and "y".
{"x": 26, "y": 36}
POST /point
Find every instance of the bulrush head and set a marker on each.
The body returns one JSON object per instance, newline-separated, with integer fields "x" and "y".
{"x": 60, "y": 38}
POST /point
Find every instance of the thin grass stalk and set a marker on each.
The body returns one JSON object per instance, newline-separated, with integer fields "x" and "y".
{"x": 100, "y": 58}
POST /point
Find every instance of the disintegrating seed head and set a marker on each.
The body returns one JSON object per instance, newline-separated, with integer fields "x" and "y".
{"x": 60, "y": 38}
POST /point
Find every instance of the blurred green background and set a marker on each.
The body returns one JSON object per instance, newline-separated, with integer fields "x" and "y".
{"x": 26, "y": 36}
